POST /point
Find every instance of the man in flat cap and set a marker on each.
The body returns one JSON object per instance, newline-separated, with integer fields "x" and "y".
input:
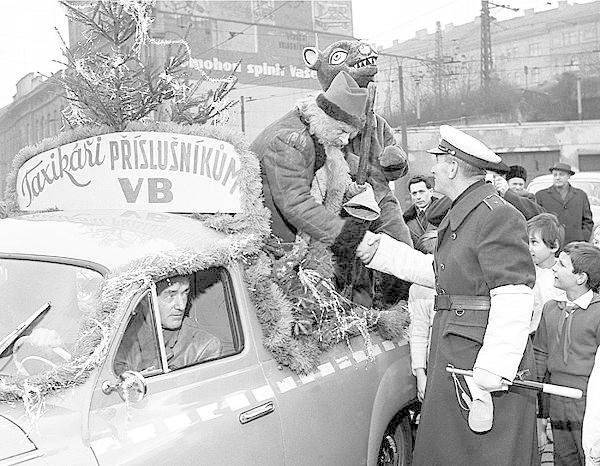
{"x": 571, "y": 205}
{"x": 483, "y": 275}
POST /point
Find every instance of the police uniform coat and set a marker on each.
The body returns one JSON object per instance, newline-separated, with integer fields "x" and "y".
{"x": 482, "y": 245}
{"x": 573, "y": 212}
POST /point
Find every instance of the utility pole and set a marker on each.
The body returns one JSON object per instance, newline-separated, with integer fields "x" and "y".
{"x": 243, "y": 113}
{"x": 486, "y": 46}
{"x": 438, "y": 63}
{"x": 417, "y": 79}
{"x": 402, "y": 109}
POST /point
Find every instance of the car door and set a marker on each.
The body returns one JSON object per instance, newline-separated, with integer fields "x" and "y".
{"x": 327, "y": 415}
{"x": 220, "y": 411}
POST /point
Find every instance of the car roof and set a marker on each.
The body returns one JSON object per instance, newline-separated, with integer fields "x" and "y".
{"x": 107, "y": 238}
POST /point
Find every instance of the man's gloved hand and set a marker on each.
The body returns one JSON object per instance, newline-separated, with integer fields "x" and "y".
{"x": 394, "y": 162}
{"x": 487, "y": 380}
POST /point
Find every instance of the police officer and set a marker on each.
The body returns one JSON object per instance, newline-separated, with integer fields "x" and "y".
{"x": 483, "y": 275}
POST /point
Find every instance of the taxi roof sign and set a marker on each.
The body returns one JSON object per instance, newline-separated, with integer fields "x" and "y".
{"x": 138, "y": 170}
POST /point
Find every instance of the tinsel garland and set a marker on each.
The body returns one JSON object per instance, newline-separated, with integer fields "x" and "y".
{"x": 296, "y": 339}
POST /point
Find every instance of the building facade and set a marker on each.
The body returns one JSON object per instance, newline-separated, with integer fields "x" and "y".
{"x": 528, "y": 52}
{"x": 34, "y": 114}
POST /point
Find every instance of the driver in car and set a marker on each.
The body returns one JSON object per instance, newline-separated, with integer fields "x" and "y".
{"x": 185, "y": 342}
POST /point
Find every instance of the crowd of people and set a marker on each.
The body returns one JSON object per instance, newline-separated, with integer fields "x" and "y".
{"x": 487, "y": 258}
{"x": 503, "y": 284}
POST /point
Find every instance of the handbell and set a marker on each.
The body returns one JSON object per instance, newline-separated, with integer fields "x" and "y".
{"x": 363, "y": 206}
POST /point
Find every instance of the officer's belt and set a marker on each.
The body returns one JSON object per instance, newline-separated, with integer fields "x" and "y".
{"x": 446, "y": 302}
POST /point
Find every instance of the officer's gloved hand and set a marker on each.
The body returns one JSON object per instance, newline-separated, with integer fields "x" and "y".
{"x": 487, "y": 380}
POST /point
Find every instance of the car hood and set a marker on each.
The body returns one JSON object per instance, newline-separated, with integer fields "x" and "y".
{"x": 16, "y": 444}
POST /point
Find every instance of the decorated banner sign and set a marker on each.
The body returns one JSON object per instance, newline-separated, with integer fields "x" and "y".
{"x": 154, "y": 171}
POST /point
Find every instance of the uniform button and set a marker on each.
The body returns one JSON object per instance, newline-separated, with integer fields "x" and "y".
{"x": 442, "y": 266}
{"x": 453, "y": 235}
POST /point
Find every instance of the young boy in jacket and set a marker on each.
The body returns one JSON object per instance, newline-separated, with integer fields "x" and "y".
{"x": 546, "y": 236}
{"x": 566, "y": 342}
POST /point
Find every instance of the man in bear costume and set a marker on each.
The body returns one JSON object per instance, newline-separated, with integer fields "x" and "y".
{"x": 387, "y": 161}
{"x": 321, "y": 135}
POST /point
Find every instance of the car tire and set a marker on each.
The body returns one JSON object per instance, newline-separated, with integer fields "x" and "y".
{"x": 397, "y": 443}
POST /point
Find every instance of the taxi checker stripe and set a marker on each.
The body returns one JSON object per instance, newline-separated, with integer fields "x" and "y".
{"x": 239, "y": 400}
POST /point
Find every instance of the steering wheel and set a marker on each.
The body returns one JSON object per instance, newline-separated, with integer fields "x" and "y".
{"x": 20, "y": 362}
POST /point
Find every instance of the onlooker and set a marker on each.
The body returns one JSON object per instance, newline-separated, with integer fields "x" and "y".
{"x": 546, "y": 237}
{"x": 565, "y": 346}
{"x": 516, "y": 178}
{"x": 522, "y": 202}
{"x": 420, "y": 307}
{"x": 569, "y": 204}
{"x": 421, "y": 193}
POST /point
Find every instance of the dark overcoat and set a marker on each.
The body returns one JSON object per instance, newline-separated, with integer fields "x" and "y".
{"x": 573, "y": 212}
{"x": 482, "y": 245}
{"x": 524, "y": 203}
{"x": 416, "y": 227}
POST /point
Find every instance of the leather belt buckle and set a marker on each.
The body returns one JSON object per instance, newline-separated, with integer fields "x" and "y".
{"x": 442, "y": 302}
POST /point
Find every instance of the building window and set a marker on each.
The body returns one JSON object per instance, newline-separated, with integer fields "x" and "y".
{"x": 535, "y": 75}
{"x": 588, "y": 34}
{"x": 534, "y": 49}
{"x": 570, "y": 37}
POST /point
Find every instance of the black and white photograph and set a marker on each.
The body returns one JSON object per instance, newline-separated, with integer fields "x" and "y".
{"x": 300, "y": 232}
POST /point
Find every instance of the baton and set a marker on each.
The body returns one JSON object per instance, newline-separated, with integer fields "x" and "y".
{"x": 559, "y": 390}
{"x": 365, "y": 141}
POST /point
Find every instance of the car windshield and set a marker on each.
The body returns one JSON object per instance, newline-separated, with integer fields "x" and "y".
{"x": 42, "y": 307}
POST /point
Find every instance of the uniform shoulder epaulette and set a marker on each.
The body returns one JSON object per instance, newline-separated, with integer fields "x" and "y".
{"x": 493, "y": 201}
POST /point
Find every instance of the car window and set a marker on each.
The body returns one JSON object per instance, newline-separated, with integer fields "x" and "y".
{"x": 199, "y": 323}
{"x": 139, "y": 350}
{"x": 44, "y": 307}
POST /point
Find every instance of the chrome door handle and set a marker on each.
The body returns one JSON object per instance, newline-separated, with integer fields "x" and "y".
{"x": 257, "y": 412}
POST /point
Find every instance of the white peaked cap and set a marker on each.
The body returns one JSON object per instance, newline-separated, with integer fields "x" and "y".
{"x": 465, "y": 147}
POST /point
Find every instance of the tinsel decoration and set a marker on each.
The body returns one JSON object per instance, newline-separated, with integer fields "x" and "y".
{"x": 110, "y": 78}
{"x": 301, "y": 313}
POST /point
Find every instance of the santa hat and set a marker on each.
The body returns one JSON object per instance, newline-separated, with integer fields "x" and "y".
{"x": 344, "y": 100}
{"x": 516, "y": 171}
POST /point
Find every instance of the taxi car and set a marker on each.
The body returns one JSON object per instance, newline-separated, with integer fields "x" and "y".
{"x": 72, "y": 282}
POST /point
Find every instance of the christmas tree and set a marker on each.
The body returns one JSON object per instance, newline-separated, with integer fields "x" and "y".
{"x": 114, "y": 77}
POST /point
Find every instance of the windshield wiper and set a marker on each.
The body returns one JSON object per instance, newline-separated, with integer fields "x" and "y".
{"x": 22, "y": 327}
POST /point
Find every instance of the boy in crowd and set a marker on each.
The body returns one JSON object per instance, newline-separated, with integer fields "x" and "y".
{"x": 546, "y": 237}
{"x": 565, "y": 345}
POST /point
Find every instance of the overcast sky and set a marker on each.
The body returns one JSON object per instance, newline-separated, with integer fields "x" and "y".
{"x": 30, "y": 42}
